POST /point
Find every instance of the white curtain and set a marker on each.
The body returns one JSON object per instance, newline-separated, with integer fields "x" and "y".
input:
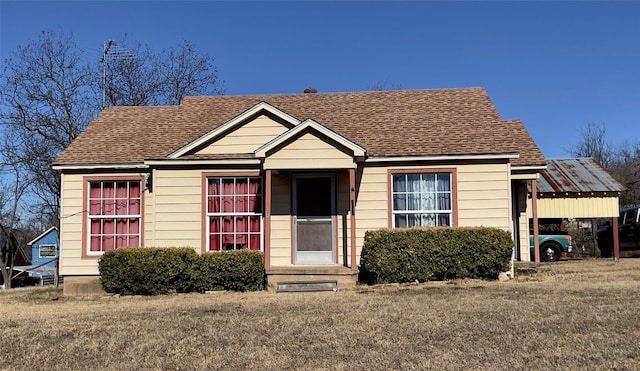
{"x": 425, "y": 194}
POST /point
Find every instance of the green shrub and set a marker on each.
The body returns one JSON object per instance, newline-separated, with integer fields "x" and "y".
{"x": 147, "y": 271}
{"x": 434, "y": 253}
{"x": 155, "y": 271}
{"x": 239, "y": 270}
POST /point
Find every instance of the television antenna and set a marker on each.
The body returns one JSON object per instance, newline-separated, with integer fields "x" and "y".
{"x": 111, "y": 51}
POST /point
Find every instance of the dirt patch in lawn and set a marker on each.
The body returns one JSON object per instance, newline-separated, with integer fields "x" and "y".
{"x": 566, "y": 315}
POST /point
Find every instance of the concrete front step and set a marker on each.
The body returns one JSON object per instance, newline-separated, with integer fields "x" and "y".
{"x": 310, "y": 278}
{"x": 307, "y": 286}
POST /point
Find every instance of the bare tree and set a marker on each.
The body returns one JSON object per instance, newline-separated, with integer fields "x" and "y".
{"x": 626, "y": 168}
{"x": 623, "y": 160}
{"x": 381, "y": 85}
{"x": 50, "y": 91}
{"x": 10, "y": 196}
{"x": 593, "y": 143}
{"x": 137, "y": 77}
{"x": 131, "y": 78}
{"x": 46, "y": 100}
{"x": 187, "y": 73}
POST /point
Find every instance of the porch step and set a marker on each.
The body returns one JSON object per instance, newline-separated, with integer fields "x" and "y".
{"x": 307, "y": 286}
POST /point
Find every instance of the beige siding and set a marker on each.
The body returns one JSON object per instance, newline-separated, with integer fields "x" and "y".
{"x": 484, "y": 196}
{"x": 246, "y": 138}
{"x": 176, "y": 216}
{"x": 371, "y": 204}
{"x": 281, "y": 243}
{"x": 576, "y": 207}
{"x": 309, "y": 152}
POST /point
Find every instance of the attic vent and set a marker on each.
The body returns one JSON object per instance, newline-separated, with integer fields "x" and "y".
{"x": 310, "y": 90}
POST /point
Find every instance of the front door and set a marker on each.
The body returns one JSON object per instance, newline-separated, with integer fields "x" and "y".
{"x": 313, "y": 210}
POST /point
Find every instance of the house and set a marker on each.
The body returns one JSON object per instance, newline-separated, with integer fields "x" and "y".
{"x": 16, "y": 236}
{"x": 45, "y": 248}
{"x": 300, "y": 177}
{"x": 42, "y": 268}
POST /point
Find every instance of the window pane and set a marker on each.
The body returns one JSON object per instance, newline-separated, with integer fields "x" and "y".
{"x": 413, "y": 183}
{"x": 428, "y": 202}
{"x": 444, "y": 201}
{"x": 134, "y": 240}
{"x": 108, "y": 199}
{"x": 254, "y": 242}
{"x": 108, "y": 242}
{"x": 399, "y": 202}
{"x": 214, "y": 233}
{"x": 414, "y": 220}
{"x": 400, "y": 220}
{"x": 428, "y": 183}
{"x": 444, "y": 219}
{"x": 444, "y": 182}
{"x": 413, "y": 201}
{"x": 95, "y": 244}
{"x": 254, "y": 224}
{"x": 134, "y": 198}
{"x": 428, "y": 220}
{"x": 399, "y": 183}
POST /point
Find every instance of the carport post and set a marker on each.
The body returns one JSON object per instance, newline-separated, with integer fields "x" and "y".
{"x": 616, "y": 242}
{"x": 534, "y": 213}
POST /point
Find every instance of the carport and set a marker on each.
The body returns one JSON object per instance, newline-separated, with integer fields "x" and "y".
{"x": 574, "y": 188}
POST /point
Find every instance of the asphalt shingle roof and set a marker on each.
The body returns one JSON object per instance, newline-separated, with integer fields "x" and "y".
{"x": 385, "y": 123}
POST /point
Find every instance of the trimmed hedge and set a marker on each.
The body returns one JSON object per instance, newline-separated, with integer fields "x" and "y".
{"x": 434, "y": 253}
{"x": 238, "y": 270}
{"x": 156, "y": 271}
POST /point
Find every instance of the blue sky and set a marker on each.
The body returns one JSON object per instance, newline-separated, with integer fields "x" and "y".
{"x": 555, "y": 65}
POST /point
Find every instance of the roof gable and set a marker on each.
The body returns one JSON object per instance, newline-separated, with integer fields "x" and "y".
{"x": 44, "y": 234}
{"x": 307, "y": 126}
{"x": 262, "y": 108}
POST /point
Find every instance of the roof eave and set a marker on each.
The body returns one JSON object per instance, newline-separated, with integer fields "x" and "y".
{"x": 221, "y": 161}
{"x": 449, "y": 157}
{"x": 91, "y": 166}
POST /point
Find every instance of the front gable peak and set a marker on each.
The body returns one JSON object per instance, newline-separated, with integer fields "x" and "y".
{"x": 310, "y": 145}
{"x": 283, "y": 119}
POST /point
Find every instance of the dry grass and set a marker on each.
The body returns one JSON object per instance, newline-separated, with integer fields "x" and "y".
{"x": 568, "y": 315}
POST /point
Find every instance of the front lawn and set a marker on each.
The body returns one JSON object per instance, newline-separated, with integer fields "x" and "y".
{"x": 567, "y": 315}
